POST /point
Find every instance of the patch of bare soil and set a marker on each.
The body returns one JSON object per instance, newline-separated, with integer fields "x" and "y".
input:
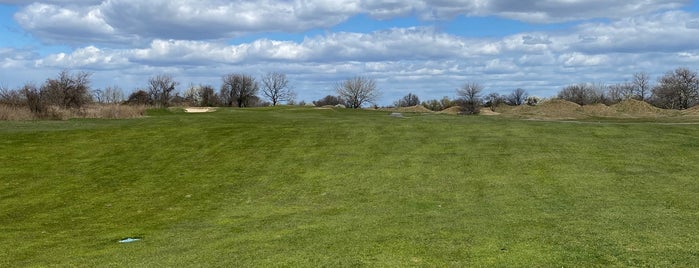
{"x": 199, "y": 109}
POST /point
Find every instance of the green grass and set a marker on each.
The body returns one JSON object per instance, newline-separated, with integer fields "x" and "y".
{"x": 307, "y": 187}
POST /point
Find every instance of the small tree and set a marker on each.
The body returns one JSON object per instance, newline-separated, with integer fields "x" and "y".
{"x": 275, "y": 87}
{"x": 239, "y": 89}
{"x": 161, "y": 88}
{"x": 357, "y": 91}
{"x": 517, "y": 97}
{"x": 470, "y": 94}
{"x": 139, "y": 97}
{"x": 493, "y": 100}
{"x": 408, "y": 101}
{"x": 328, "y": 100}
{"x": 582, "y": 94}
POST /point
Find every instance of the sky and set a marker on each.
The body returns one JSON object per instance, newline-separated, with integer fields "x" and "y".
{"x": 426, "y": 47}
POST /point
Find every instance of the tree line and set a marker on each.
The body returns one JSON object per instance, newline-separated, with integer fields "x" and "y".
{"x": 677, "y": 89}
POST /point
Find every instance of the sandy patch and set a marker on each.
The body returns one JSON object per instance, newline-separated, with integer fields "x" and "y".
{"x": 199, "y": 109}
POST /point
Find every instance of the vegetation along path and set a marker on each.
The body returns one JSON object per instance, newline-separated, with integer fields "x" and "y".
{"x": 308, "y": 187}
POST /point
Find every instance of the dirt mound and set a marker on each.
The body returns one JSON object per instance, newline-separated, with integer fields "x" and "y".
{"x": 451, "y": 110}
{"x": 551, "y": 109}
{"x": 636, "y": 108}
{"x": 599, "y": 110}
{"x": 413, "y": 109}
{"x": 694, "y": 111}
{"x": 488, "y": 111}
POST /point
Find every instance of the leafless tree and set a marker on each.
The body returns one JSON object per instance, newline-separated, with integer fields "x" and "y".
{"x": 67, "y": 90}
{"x": 408, "y": 101}
{"x": 583, "y": 94}
{"x": 111, "y": 94}
{"x": 641, "y": 86}
{"x": 139, "y": 97}
{"x": 470, "y": 94}
{"x": 517, "y": 97}
{"x": 275, "y": 87}
{"x": 618, "y": 92}
{"x": 161, "y": 88}
{"x": 493, "y": 100}
{"x": 11, "y": 97}
{"x": 357, "y": 91}
{"x": 328, "y": 100}
{"x": 678, "y": 89}
{"x": 239, "y": 89}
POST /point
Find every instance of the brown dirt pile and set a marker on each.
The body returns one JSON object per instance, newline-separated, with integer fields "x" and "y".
{"x": 413, "y": 109}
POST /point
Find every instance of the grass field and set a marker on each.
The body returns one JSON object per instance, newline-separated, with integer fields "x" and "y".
{"x": 308, "y": 187}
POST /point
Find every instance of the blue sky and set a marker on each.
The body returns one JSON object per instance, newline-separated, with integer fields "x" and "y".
{"x": 429, "y": 48}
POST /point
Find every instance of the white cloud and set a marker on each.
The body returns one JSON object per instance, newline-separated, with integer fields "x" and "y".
{"x": 421, "y": 60}
{"x": 134, "y": 21}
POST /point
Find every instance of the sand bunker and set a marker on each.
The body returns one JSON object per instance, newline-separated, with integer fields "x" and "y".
{"x": 199, "y": 109}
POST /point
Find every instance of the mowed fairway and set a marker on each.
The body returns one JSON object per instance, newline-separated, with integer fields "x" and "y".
{"x": 308, "y": 187}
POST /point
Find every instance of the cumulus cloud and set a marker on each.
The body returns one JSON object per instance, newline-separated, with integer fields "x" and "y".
{"x": 131, "y": 21}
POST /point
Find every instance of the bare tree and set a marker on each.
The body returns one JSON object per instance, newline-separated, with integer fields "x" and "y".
{"x": 328, "y": 100}
{"x": 641, "y": 86}
{"x": 582, "y": 94}
{"x": 408, "y": 101}
{"x": 160, "y": 89}
{"x": 619, "y": 92}
{"x": 275, "y": 87}
{"x": 68, "y": 90}
{"x": 470, "y": 94}
{"x": 139, "y": 97}
{"x": 678, "y": 89}
{"x": 517, "y": 97}
{"x": 239, "y": 89}
{"x": 357, "y": 91}
{"x": 493, "y": 100}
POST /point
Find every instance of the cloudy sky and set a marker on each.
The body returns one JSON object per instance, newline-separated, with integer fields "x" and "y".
{"x": 427, "y": 47}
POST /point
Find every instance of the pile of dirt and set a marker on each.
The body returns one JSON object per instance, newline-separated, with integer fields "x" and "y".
{"x": 636, "y": 108}
{"x": 694, "y": 111}
{"x": 413, "y": 109}
{"x": 551, "y": 109}
{"x": 451, "y": 110}
{"x": 488, "y": 111}
{"x": 598, "y": 110}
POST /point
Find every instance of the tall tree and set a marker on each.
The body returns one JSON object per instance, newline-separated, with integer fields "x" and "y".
{"x": 357, "y": 91}
{"x": 678, "y": 89}
{"x": 275, "y": 87}
{"x": 641, "y": 86}
{"x": 470, "y": 94}
{"x": 239, "y": 89}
